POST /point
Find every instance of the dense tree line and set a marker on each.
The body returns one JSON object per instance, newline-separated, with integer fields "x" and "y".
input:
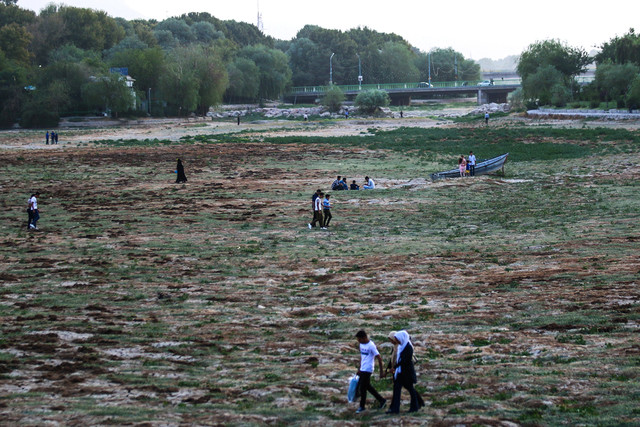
{"x": 59, "y": 62}
{"x": 549, "y": 69}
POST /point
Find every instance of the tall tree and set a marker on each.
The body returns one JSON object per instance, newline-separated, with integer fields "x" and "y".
{"x": 614, "y": 80}
{"x": 621, "y": 50}
{"x": 275, "y": 74}
{"x": 569, "y": 61}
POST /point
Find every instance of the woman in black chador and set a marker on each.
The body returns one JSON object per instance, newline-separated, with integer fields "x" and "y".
{"x": 180, "y": 170}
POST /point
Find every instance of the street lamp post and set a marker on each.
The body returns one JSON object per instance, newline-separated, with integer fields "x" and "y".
{"x": 429, "y": 67}
{"x": 359, "y": 73}
{"x": 331, "y": 69}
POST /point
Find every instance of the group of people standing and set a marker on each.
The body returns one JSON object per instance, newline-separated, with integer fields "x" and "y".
{"x": 400, "y": 366}
{"x": 467, "y": 166}
{"x": 53, "y": 136}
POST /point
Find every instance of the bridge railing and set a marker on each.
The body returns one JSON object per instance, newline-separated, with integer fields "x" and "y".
{"x": 320, "y": 89}
{"x": 399, "y": 86}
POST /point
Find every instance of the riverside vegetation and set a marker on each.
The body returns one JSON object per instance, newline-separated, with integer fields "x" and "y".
{"x": 212, "y": 303}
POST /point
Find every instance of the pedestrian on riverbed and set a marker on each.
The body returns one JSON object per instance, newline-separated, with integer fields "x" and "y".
{"x": 180, "y": 171}
{"x": 34, "y": 213}
{"x": 404, "y": 375}
{"x": 368, "y": 355}
{"x": 472, "y": 163}
{"x": 462, "y": 165}
{"x": 486, "y": 118}
{"x": 47, "y": 136}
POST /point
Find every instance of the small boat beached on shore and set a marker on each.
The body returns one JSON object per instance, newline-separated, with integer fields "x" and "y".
{"x": 482, "y": 168}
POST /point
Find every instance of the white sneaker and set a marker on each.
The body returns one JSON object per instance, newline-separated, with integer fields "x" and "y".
{"x": 323, "y": 228}
{"x": 309, "y": 226}
{"x": 31, "y": 226}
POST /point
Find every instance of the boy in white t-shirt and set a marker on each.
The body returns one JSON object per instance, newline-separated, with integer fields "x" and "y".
{"x": 368, "y": 354}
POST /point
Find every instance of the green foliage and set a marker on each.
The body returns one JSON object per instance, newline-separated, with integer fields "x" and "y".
{"x": 273, "y": 66}
{"x": 14, "y": 42}
{"x": 568, "y": 61}
{"x": 621, "y": 50}
{"x": 244, "y": 80}
{"x": 516, "y": 100}
{"x": 633, "y": 95}
{"x": 545, "y": 85}
{"x": 614, "y": 80}
{"x": 371, "y": 100}
{"x": 333, "y": 99}
{"x": 443, "y": 66}
{"x": 108, "y": 92}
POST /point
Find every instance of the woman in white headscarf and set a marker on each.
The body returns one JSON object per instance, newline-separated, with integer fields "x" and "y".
{"x": 404, "y": 375}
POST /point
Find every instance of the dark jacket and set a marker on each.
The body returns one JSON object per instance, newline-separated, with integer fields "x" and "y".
{"x": 407, "y": 370}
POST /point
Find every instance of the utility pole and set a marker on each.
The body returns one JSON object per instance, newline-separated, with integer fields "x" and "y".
{"x": 331, "y": 69}
{"x": 455, "y": 67}
{"x": 359, "y": 73}
{"x": 429, "y": 67}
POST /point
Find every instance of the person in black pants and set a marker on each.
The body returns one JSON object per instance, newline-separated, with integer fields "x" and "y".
{"x": 404, "y": 375}
{"x": 368, "y": 353}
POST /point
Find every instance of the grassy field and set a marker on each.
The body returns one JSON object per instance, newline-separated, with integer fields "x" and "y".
{"x": 145, "y": 302}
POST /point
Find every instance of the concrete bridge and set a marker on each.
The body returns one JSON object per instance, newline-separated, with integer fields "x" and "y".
{"x": 402, "y": 93}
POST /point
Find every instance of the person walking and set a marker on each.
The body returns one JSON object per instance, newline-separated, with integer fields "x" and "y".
{"x": 47, "y": 136}
{"x": 326, "y": 208}
{"x": 486, "y": 118}
{"x": 56, "y": 137}
{"x": 393, "y": 363}
{"x": 35, "y": 213}
{"x": 462, "y": 165}
{"x": 317, "y": 211}
{"x": 368, "y": 355}
{"x": 180, "y": 171}
{"x": 313, "y": 205}
{"x": 404, "y": 374}
{"x": 472, "y": 163}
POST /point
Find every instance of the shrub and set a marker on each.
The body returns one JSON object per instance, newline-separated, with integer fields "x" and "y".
{"x": 371, "y": 100}
{"x": 39, "y": 118}
{"x": 333, "y": 99}
{"x": 516, "y": 100}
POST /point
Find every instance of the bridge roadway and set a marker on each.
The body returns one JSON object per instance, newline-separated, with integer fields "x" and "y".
{"x": 401, "y": 93}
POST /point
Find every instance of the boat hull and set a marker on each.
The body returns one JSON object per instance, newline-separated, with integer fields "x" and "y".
{"x": 482, "y": 168}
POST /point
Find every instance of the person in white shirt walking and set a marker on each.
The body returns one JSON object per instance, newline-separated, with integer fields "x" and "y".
{"x": 472, "y": 163}
{"x": 368, "y": 354}
{"x": 317, "y": 211}
{"x": 34, "y": 214}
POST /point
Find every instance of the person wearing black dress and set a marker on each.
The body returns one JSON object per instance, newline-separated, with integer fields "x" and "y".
{"x": 180, "y": 170}
{"x": 404, "y": 375}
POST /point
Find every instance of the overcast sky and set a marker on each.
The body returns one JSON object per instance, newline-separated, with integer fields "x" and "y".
{"x": 490, "y": 29}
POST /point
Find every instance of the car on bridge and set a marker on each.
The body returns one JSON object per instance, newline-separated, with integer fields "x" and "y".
{"x": 486, "y": 83}
{"x": 425, "y": 84}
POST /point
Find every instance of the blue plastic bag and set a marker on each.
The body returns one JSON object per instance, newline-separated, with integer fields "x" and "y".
{"x": 352, "y": 394}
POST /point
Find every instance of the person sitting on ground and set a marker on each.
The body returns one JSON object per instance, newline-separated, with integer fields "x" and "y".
{"x": 354, "y": 186}
{"x": 369, "y": 184}
{"x": 344, "y": 184}
{"x": 337, "y": 184}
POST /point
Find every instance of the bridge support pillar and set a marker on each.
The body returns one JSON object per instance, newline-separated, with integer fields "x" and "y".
{"x": 400, "y": 99}
{"x": 483, "y": 97}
